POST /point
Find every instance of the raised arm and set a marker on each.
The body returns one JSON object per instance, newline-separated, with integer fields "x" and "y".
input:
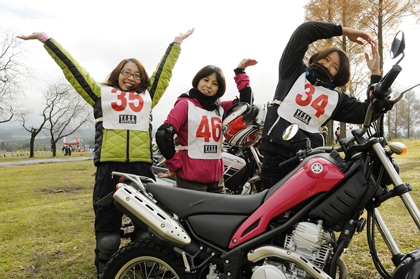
{"x": 242, "y": 80}
{"x": 161, "y": 77}
{"x": 78, "y": 77}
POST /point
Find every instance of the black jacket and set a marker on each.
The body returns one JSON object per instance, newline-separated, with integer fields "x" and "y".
{"x": 291, "y": 66}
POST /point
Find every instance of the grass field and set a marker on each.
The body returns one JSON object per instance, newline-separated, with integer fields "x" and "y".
{"x": 46, "y": 221}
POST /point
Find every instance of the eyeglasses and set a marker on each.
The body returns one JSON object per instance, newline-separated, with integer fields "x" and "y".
{"x": 127, "y": 73}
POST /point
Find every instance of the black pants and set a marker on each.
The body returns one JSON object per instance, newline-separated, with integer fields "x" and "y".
{"x": 271, "y": 173}
{"x": 110, "y": 220}
{"x": 106, "y": 220}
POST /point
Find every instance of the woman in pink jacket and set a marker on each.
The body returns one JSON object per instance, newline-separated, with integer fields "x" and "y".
{"x": 196, "y": 119}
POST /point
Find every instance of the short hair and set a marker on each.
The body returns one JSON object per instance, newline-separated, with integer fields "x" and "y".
{"x": 113, "y": 77}
{"x": 207, "y": 71}
{"x": 343, "y": 75}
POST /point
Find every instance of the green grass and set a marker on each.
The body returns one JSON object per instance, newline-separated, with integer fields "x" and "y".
{"x": 46, "y": 221}
{"x": 398, "y": 220}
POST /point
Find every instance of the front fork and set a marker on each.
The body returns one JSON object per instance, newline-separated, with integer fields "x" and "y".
{"x": 406, "y": 199}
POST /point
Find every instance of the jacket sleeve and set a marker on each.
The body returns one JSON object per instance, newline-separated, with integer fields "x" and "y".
{"x": 178, "y": 118}
{"x": 160, "y": 78}
{"x": 79, "y": 78}
{"x": 350, "y": 109}
{"x": 307, "y": 33}
{"x": 243, "y": 84}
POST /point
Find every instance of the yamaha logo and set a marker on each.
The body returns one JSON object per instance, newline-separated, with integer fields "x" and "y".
{"x": 316, "y": 168}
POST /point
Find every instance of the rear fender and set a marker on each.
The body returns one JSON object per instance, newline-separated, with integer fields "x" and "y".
{"x": 409, "y": 268}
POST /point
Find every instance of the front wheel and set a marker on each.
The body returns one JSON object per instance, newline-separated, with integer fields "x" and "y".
{"x": 144, "y": 259}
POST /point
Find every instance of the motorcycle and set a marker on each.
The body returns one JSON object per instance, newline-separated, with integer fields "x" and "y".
{"x": 241, "y": 176}
{"x": 242, "y": 169}
{"x": 287, "y": 231}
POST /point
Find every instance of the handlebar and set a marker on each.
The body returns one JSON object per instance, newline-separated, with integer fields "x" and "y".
{"x": 301, "y": 155}
{"x": 290, "y": 161}
{"x": 382, "y": 89}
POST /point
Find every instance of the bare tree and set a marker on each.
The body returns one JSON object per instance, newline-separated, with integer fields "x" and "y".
{"x": 411, "y": 113}
{"x": 34, "y": 131}
{"x": 66, "y": 112}
{"x": 384, "y": 17}
{"x": 394, "y": 118}
{"x": 12, "y": 72}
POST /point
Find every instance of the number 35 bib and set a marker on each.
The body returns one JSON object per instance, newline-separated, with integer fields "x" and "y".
{"x": 307, "y": 105}
{"x": 204, "y": 133}
{"x": 125, "y": 110}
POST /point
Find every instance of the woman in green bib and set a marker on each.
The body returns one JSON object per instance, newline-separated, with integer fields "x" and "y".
{"x": 122, "y": 109}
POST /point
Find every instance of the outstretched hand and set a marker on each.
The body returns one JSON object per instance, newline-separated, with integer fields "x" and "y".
{"x": 373, "y": 62}
{"x": 246, "y": 63}
{"x": 354, "y": 36}
{"x": 41, "y": 36}
{"x": 187, "y": 34}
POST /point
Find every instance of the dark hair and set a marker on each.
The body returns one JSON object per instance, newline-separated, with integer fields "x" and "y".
{"x": 207, "y": 71}
{"x": 113, "y": 77}
{"x": 343, "y": 74}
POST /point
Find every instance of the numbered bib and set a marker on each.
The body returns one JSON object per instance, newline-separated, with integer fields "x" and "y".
{"x": 307, "y": 105}
{"x": 204, "y": 133}
{"x": 125, "y": 110}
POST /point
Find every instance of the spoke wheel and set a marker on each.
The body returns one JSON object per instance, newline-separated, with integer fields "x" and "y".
{"x": 146, "y": 267}
{"x": 144, "y": 260}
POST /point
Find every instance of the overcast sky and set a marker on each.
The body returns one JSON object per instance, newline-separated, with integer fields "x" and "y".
{"x": 100, "y": 33}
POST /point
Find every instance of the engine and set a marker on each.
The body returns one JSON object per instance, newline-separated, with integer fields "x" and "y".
{"x": 308, "y": 240}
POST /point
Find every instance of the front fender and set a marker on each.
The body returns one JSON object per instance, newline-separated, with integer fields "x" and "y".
{"x": 409, "y": 268}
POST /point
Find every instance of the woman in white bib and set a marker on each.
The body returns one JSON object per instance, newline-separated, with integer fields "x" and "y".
{"x": 306, "y": 94}
{"x": 122, "y": 107}
{"x": 196, "y": 119}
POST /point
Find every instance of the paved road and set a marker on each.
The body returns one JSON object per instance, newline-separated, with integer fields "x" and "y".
{"x": 44, "y": 161}
{"x": 166, "y": 181}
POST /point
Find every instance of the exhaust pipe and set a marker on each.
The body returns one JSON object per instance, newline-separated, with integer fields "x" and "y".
{"x": 151, "y": 214}
{"x": 273, "y": 251}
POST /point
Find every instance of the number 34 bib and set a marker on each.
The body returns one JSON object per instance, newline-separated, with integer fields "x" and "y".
{"x": 307, "y": 105}
{"x": 125, "y": 110}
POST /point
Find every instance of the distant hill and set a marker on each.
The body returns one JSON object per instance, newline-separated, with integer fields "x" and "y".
{"x": 16, "y": 133}
{"x": 13, "y": 133}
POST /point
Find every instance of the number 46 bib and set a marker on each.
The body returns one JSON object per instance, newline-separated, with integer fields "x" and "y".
{"x": 125, "y": 110}
{"x": 204, "y": 133}
{"x": 307, "y": 105}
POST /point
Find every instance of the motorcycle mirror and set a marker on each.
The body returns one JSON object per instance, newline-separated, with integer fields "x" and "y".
{"x": 290, "y": 132}
{"x": 398, "y": 46}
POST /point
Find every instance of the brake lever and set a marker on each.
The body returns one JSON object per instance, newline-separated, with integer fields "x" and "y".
{"x": 402, "y": 94}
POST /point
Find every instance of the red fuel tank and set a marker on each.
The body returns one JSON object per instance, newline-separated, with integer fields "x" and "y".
{"x": 315, "y": 176}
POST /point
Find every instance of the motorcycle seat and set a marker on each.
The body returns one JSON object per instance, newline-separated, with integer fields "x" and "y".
{"x": 185, "y": 202}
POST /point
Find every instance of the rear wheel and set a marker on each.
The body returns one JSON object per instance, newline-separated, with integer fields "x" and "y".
{"x": 144, "y": 259}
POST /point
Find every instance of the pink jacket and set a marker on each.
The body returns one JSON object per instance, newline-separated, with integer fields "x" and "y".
{"x": 198, "y": 170}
